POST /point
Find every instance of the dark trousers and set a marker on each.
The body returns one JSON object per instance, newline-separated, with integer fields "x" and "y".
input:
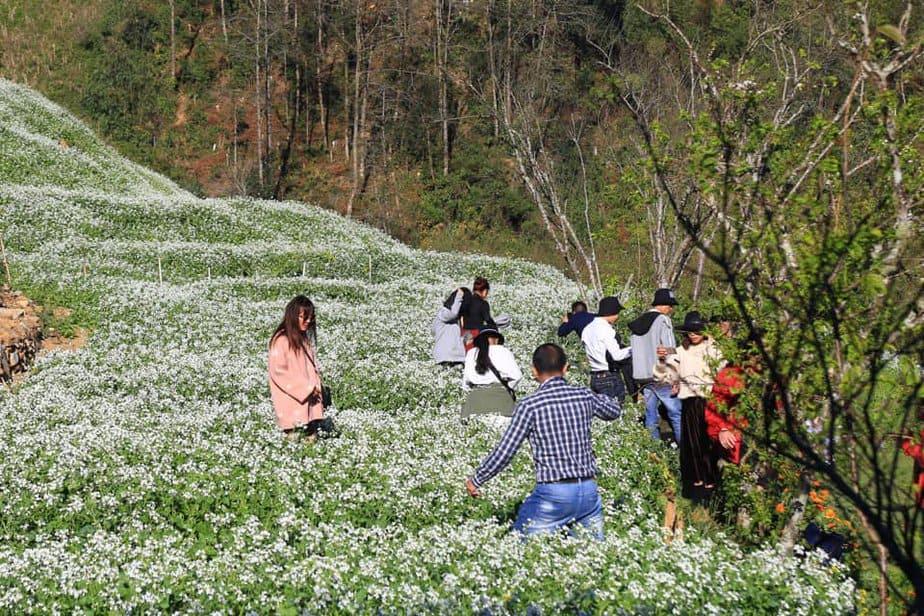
{"x": 609, "y": 383}
{"x": 697, "y": 463}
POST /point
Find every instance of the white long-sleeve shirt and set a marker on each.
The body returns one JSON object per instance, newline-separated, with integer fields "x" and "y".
{"x": 598, "y": 338}
{"x": 502, "y": 359}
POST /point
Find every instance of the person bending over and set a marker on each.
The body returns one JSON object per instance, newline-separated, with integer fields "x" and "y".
{"x": 490, "y": 375}
{"x": 448, "y": 348}
{"x": 556, "y": 420}
{"x": 576, "y": 320}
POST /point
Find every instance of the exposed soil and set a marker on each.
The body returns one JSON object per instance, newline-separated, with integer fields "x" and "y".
{"x": 53, "y": 340}
{"x": 22, "y": 337}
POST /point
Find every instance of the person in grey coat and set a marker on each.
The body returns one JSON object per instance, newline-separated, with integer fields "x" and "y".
{"x": 448, "y": 347}
{"x": 652, "y": 341}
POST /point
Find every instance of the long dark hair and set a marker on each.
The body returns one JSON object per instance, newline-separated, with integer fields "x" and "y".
{"x": 466, "y": 294}
{"x": 289, "y": 326}
{"x": 483, "y": 344}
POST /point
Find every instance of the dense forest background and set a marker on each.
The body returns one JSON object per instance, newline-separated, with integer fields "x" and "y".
{"x": 481, "y": 125}
{"x": 485, "y": 125}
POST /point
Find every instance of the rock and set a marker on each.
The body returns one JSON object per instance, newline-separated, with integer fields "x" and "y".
{"x": 20, "y": 333}
{"x": 11, "y": 314}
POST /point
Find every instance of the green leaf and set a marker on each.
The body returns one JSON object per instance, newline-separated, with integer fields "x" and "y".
{"x": 892, "y": 32}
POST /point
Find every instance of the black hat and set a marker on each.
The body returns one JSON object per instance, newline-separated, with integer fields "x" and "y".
{"x": 609, "y": 306}
{"x": 693, "y": 322}
{"x": 664, "y": 297}
{"x": 487, "y": 330}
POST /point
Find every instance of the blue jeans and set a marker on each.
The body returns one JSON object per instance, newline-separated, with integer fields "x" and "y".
{"x": 653, "y": 394}
{"x": 610, "y": 384}
{"x": 551, "y": 506}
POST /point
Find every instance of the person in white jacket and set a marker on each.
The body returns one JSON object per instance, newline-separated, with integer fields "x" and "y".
{"x": 691, "y": 372}
{"x": 490, "y": 376}
{"x": 603, "y": 350}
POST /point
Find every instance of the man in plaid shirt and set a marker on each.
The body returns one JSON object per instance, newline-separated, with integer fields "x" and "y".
{"x": 556, "y": 420}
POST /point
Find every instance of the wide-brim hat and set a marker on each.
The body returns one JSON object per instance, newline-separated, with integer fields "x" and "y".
{"x": 693, "y": 322}
{"x": 490, "y": 331}
{"x": 503, "y": 320}
{"x": 609, "y": 306}
{"x": 664, "y": 297}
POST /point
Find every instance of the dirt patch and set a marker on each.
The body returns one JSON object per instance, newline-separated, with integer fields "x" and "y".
{"x": 182, "y": 105}
{"x": 22, "y": 337}
{"x": 54, "y": 341}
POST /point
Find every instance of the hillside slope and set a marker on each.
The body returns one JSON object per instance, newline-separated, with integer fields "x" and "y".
{"x": 144, "y": 473}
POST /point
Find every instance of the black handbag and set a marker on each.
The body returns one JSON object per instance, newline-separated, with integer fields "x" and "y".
{"x": 326, "y": 399}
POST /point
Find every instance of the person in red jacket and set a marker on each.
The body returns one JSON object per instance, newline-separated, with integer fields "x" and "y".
{"x": 723, "y": 424}
{"x": 915, "y": 450}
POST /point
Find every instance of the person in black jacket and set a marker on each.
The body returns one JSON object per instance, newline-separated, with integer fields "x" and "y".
{"x": 475, "y": 313}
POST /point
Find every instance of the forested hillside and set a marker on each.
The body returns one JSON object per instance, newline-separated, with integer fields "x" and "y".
{"x": 434, "y": 121}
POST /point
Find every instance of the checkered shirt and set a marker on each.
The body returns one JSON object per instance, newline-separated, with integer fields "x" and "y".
{"x": 556, "y": 420}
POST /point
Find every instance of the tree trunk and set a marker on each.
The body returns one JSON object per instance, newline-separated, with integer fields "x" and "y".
{"x": 357, "y": 106}
{"x": 285, "y": 159}
{"x": 797, "y": 506}
{"x": 259, "y": 94}
{"x": 293, "y": 102}
{"x": 492, "y": 63}
{"x": 698, "y": 281}
{"x": 299, "y": 87}
{"x": 224, "y": 22}
{"x": 442, "y": 12}
{"x": 508, "y": 61}
{"x": 268, "y": 81}
{"x": 347, "y": 112}
{"x": 319, "y": 81}
{"x": 363, "y": 141}
{"x": 6, "y": 264}
{"x": 173, "y": 42}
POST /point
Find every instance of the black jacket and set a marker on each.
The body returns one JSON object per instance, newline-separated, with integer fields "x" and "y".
{"x": 475, "y": 313}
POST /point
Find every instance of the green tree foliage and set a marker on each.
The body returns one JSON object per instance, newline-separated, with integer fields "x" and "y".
{"x": 476, "y": 191}
{"x": 128, "y": 92}
{"x": 815, "y": 184}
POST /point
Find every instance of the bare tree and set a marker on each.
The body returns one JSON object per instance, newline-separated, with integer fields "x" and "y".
{"x": 172, "y": 41}
{"x": 320, "y": 72}
{"x": 443, "y": 30}
{"x": 531, "y": 96}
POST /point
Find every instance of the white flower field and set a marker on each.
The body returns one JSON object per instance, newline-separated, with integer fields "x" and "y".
{"x": 144, "y": 473}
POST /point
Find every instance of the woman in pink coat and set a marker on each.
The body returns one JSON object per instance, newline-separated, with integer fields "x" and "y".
{"x": 295, "y": 382}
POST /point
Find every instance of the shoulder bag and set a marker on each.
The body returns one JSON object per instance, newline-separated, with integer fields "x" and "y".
{"x": 503, "y": 381}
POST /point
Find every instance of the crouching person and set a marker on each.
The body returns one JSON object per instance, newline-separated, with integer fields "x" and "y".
{"x": 556, "y": 420}
{"x": 490, "y": 376}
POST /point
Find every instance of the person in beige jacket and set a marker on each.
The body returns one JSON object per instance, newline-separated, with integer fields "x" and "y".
{"x": 294, "y": 379}
{"x": 691, "y": 372}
